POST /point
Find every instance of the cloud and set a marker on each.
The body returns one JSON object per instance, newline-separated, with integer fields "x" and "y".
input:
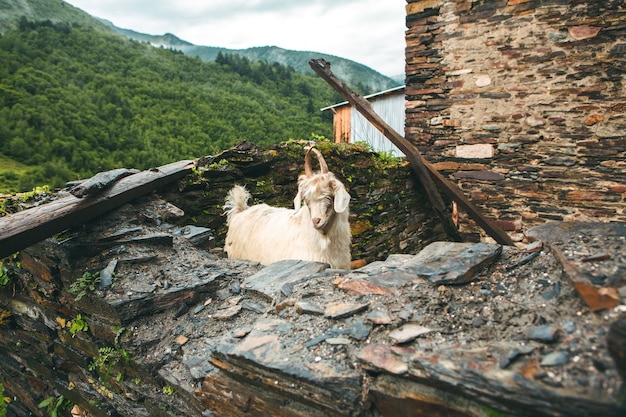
{"x": 367, "y": 31}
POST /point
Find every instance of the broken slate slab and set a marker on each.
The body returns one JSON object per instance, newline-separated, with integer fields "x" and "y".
{"x": 305, "y": 307}
{"x": 515, "y": 354}
{"x": 554, "y": 359}
{"x": 342, "y": 310}
{"x": 378, "y": 317}
{"x": 453, "y": 262}
{"x": 439, "y": 262}
{"x": 546, "y": 333}
{"x": 265, "y": 359}
{"x": 380, "y": 357}
{"x": 408, "y": 332}
{"x": 554, "y": 232}
{"x": 271, "y": 280}
{"x": 106, "y": 274}
{"x": 195, "y": 234}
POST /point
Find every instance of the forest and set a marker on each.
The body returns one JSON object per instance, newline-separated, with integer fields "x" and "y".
{"x": 75, "y": 101}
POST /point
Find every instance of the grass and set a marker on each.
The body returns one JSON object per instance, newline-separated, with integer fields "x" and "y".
{"x": 10, "y": 172}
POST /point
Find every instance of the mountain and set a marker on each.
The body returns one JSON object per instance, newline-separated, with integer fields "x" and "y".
{"x": 360, "y": 77}
{"x": 76, "y": 99}
{"x": 56, "y": 11}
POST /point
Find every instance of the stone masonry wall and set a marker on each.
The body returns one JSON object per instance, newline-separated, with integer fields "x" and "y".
{"x": 522, "y": 104}
{"x": 389, "y": 210}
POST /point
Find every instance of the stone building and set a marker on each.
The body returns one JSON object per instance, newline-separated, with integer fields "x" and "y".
{"x": 522, "y": 103}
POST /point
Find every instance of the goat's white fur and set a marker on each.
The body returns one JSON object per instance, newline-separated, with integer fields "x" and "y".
{"x": 317, "y": 230}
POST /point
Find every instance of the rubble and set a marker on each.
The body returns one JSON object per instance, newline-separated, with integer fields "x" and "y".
{"x": 138, "y": 312}
{"x": 189, "y": 332}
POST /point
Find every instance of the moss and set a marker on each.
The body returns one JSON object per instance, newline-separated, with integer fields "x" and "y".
{"x": 386, "y": 199}
{"x": 490, "y": 412}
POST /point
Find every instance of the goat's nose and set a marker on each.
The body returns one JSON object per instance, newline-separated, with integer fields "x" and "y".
{"x": 316, "y": 221}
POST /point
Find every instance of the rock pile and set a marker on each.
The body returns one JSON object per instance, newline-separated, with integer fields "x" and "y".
{"x": 132, "y": 315}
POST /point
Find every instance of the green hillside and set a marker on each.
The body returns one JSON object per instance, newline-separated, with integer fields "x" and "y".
{"x": 361, "y": 78}
{"x": 56, "y": 11}
{"x": 75, "y": 100}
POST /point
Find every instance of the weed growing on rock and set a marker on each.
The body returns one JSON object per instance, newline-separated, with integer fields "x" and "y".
{"x": 84, "y": 284}
{"x": 5, "y": 273}
{"x": 108, "y": 358}
{"x": 55, "y": 405}
{"x": 78, "y": 325}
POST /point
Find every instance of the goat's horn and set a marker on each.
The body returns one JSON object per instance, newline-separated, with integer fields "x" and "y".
{"x": 321, "y": 160}
{"x": 307, "y": 164}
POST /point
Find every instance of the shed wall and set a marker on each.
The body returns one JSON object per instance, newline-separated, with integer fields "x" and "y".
{"x": 391, "y": 109}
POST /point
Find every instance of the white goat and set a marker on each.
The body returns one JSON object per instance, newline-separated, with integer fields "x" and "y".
{"x": 317, "y": 230}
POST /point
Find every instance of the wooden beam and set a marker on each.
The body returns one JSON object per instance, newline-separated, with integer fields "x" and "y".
{"x": 365, "y": 108}
{"x": 426, "y": 173}
{"x": 25, "y": 228}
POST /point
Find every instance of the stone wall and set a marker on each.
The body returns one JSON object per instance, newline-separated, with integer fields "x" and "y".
{"x": 389, "y": 210}
{"x": 110, "y": 350}
{"x": 522, "y": 104}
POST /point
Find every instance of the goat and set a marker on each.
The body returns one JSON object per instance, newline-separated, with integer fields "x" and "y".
{"x": 317, "y": 230}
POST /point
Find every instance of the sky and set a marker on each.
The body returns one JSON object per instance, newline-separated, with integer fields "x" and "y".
{"x": 370, "y": 32}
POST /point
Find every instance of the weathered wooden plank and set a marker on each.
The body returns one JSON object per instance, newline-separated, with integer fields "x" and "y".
{"x": 25, "y": 228}
{"x": 365, "y": 108}
{"x": 426, "y": 173}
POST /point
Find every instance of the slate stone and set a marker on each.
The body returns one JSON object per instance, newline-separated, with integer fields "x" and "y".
{"x": 478, "y": 322}
{"x": 545, "y": 333}
{"x": 304, "y": 307}
{"x": 359, "y": 330}
{"x": 513, "y": 355}
{"x": 119, "y": 233}
{"x": 252, "y": 306}
{"x": 262, "y": 352}
{"x": 554, "y": 359}
{"x": 563, "y": 231}
{"x": 408, "y": 332}
{"x": 378, "y": 317}
{"x": 106, "y": 274}
{"x": 480, "y": 175}
{"x": 195, "y": 234}
{"x": 338, "y": 341}
{"x": 364, "y": 287}
{"x": 164, "y": 239}
{"x": 228, "y": 312}
{"x": 524, "y": 260}
{"x": 452, "y": 262}
{"x": 380, "y": 357}
{"x": 100, "y": 181}
{"x": 342, "y": 310}
{"x": 271, "y": 280}
{"x": 316, "y": 340}
{"x": 583, "y": 32}
{"x": 198, "y": 366}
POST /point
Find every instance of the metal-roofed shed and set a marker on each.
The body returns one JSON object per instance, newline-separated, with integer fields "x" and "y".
{"x": 349, "y": 126}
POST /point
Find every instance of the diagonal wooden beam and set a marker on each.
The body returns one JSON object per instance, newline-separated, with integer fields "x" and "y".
{"x": 426, "y": 173}
{"x": 25, "y": 228}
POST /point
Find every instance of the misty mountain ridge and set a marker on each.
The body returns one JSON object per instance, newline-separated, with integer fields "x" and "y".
{"x": 358, "y": 76}
{"x": 352, "y": 73}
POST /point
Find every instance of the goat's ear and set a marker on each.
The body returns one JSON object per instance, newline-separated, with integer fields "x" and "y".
{"x": 342, "y": 198}
{"x": 297, "y": 201}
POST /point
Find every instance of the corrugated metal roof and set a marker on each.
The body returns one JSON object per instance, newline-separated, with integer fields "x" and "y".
{"x": 380, "y": 93}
